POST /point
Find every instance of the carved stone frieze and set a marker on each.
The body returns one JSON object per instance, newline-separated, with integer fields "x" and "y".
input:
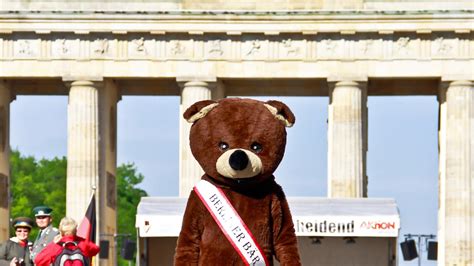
{"x": 160, "y": 47}
{"x": 255, "y": 50}
{"x": 215, "y": 48}
{"x": 406, "y": 48}
{"x": 180, "y": 49}
{"x": 139, "y": 45}
{"x": 26, "y": 48}
{"x": 330, "y": 49}
{"x": 100, "y": 46}
{"x": 366, "y": 47}
{"x": 218, "y": 49}
{"x": 443, "y": 47}
{"x": 177, "y": 48}
{"x": 291, "y": 49}
{"x": 140, "y": 48}
{"x": 64, "y": 48}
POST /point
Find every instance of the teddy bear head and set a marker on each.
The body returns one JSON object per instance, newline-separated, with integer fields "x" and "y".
{"x": 238, "y": 140}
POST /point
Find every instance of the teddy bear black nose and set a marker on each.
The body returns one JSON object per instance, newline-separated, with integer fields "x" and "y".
{"x": 238, "y": 160}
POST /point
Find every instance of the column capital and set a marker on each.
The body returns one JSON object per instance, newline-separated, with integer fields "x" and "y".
{"x": 196, "y": 78}
{"x": 347, "y": 83}
{"x": 355, "y": 78}
{"x": 458, "y": 83}
{"x": 77, "y": 78}
{"x": 457, "y": 77}
{"x": 83, "y": 82}
{"x": 445, "y": 84}
{"x": 205, "y": 81}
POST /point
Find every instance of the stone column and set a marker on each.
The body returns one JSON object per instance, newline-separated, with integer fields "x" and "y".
{"x": 347, "y": 139}
{"x": 107, "y": 189}
{"x": 83, "y": 146}
{"x": 189, "y": 169}
{"x": 5, "y": 99}
{"x": 218, "y": 92}
{"x": 456, "y": 169}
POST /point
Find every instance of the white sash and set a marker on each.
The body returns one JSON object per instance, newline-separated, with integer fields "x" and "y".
{"x": 230, "y": 223}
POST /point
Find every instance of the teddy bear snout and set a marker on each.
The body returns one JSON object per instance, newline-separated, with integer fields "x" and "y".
{"x": 238, "y": 160}
{"x": 239, "y": 163}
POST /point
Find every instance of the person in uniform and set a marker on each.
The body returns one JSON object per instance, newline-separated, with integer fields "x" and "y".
{"x": 47, "y": 231}
{"x": 16, "y": 250}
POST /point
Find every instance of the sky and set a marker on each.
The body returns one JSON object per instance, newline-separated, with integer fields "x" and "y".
{"x": 402, "y": 161}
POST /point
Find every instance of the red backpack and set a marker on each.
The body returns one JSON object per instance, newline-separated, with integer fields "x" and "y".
{"x": 70, "y": 255}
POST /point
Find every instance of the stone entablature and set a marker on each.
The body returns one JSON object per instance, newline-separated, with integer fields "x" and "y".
{"x": 238, "y": 22}
{"x": 217, "y": 5}
{"x": 246, "y": 47}
{"x": 176, "y": 37}
{"x": 307, "y": 44}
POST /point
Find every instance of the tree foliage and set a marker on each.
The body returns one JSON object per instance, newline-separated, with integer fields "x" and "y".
{"x": 128, "y": 196}
{"x": 43, "y": 182}
{"x": 36, "y": 183}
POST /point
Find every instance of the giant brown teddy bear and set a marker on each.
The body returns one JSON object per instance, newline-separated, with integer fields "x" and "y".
{"x": 239, "y": 144}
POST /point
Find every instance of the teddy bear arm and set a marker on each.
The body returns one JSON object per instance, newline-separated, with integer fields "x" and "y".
{"x": 188, "y": 246}
{"x": 285, "y": 242}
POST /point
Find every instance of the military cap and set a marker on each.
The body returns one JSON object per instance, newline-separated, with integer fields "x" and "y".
{"x": 42, "y": 211}
{"x": 22, "y": 222}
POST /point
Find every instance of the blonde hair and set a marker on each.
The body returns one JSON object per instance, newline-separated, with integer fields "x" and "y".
{"x": 67, "y": 226}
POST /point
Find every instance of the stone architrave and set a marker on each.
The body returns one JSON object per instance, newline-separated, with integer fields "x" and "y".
{"x": 347, "y": 139}
{"x": 456, "y": 157}
{"x": 83, "y": 146}
{"x": 189, "y": 169}
{"x": 5, "y": 99}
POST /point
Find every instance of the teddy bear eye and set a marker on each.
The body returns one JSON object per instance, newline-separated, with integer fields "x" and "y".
{"x": 223, "y": 146}
{"x": 256, "y": 147}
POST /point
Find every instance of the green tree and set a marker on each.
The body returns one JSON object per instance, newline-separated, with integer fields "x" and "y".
{"x": 36, "y": 183}
{"x": 43, "y": 182}
{"x": 128, "y": 198}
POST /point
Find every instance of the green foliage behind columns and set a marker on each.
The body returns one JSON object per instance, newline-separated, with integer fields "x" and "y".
{"x": 128, "y": 198}
{"x": 43, "y": 182}
{"x": 36, "y": 183}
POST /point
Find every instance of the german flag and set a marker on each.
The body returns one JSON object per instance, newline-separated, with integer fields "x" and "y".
{"x": 87, "y": 227}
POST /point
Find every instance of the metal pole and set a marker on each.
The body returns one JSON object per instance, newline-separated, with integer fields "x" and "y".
{"x": 115, "y": 249}
{"x": 419, "y": 250}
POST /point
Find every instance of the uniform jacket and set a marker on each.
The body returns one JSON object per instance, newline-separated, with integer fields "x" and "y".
{"x": 11, "y": 248}
{"x": 47, "y": 256}
{"x": 41, "y": 242}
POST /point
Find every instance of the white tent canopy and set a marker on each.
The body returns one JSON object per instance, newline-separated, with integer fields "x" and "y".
{"x": 370, "y": 217}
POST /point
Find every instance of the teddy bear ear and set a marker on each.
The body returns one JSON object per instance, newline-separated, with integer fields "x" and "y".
{"x": 281, "y": 111}
{"x": 199, "y": 110}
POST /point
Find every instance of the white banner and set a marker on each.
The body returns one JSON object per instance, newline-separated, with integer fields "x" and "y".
{"x": 230, "y": 223}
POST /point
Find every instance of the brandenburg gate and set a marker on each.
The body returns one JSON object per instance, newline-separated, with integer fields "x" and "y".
{"x": 96, "y": 51}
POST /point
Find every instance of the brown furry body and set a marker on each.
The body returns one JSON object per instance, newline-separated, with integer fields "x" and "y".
{"x": 258, "y": 200}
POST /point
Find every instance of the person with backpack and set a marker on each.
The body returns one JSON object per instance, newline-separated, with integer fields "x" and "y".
{"x": 67, "y": 249}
